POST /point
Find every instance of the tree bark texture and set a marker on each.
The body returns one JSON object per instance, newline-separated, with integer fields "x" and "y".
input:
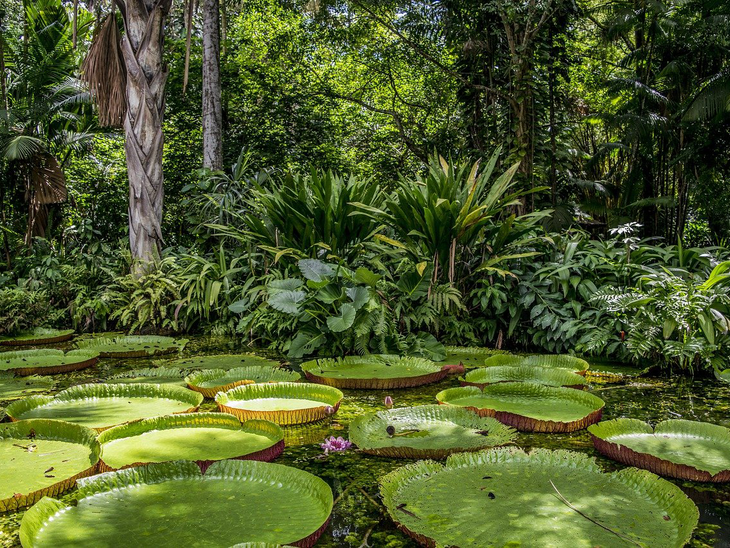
{"x": 212, "y": 107}
{"x": 142, "y": 46}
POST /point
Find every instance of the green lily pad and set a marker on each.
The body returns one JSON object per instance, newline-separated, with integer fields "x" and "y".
{"x": 39, "y": 335}
{"x": 46, "y": 361}
{"x": 373, "y": 372}
{"x": 101, "y": 406}
{"x": 505, "y": 497}
{"x": 43, "y": 457}
{"x": 283, "y": 403}
{"x": 133, "y": 346}
{"x": 427, "y": 432}
{"x": 174, "y": 504}
{"x": 211, "y": 381}
{"x": 200, "y": 437}
{"x": 468, "y": 356}
{"x": 523, "y": 373}
{"x": 612, "y": 373}
{"x": 223, "y": 361}
{"x": 552, "y": 361}
{"x": 529, "y": 406}
{"x": 12, "y": 387}
{"x": 697, "y": 451}
{"x": 153, "y": 375}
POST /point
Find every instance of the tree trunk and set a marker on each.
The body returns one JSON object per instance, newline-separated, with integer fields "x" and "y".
{"x": 142, "y": 46}
{"x": 212, "y": 108}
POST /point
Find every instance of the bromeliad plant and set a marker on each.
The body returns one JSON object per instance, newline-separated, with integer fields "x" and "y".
{"x": 442, "y": 216}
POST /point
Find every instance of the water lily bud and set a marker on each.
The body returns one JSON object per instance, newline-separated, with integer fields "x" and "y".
{"x": 390, "y": 429}
{"x": 388, "y": 402}
{"x": 329, "y": 410}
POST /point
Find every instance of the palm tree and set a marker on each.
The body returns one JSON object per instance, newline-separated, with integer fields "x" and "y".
{"x": 45, "y": 117}
{"x": 133, "y": 63}
{"x": 212, "y": 107}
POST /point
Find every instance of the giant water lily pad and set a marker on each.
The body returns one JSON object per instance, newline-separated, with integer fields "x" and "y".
{"x": 523, "y": 373}
{"x": 427, "y": 432}
{"x": 468, "y": 356}
{"x": 506, "y": 497}
{"x": 604, "y": 373}
{"x": 46, "y": 361}
{"x": 552, "y": 361}
{"x": 39, "y": 335}
{"x": 690, "y": 450}
{"x": 101, "y": 406}
{"x": 211, "y": 381}
{"x": 224, "y": 361}
{"x": 376, "y": 372}
{"x": 174, "y": 505}
{"x": 528, "y": 406}
{"x": 282, "y": 403}
{"x": 12, "y": 387}
{"x": 133, "y": 346}
{"x": 200, "y": 437}
{"x": 43, "y": 457}
{"x": 152, "y": 375}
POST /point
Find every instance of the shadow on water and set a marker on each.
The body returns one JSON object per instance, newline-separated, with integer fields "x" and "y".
{"x": 359, "y": 518}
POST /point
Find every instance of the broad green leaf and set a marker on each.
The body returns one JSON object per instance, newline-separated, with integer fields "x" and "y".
{"x": 344, "y": 321}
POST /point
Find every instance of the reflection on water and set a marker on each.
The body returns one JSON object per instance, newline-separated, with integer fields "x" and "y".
{"x": 359, "y": 518}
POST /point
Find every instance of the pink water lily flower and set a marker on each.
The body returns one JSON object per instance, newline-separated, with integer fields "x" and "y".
{"x": 335, "y": 444}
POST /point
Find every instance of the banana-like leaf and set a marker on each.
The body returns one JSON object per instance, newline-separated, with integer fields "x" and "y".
{"x": 529, "y": 406}
{"x": 427, "y": 431}
{"x": 281, "y": 505}
{"x": 283, "y": 403}
{"x": 133, "y": 346}
{"x": 696, "y": 451}
{"x": 39, "y": 335}
{"x": 200, "y": 437}
{"x": 211, "y": 381}
{"x": 101, "y": 406}
{"x": 47, "y": 361}
{"x": 523, "y": 373}
{"x": 43, "y": 457}
{"x": 373, "y": 372}
{"x": 506, "y": 497}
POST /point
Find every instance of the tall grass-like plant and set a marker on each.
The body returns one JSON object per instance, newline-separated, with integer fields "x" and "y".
{"x": 313, "y": 216}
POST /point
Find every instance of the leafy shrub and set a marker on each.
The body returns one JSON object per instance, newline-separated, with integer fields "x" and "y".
{"x": 21, "y": 310}
{"x": 674, "y": 318}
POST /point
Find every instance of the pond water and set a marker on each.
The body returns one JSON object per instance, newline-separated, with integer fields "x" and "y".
{"x": 359, "y": 518}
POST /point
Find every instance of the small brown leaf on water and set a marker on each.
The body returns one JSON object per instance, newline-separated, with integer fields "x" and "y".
{"x": 667, "y": 518}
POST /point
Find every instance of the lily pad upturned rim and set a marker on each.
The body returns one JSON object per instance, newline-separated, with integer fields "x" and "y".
{"x": 329, "y": 396}
{"x": 484, "y": 376}
{"x": 677, "y": 505}
{"x": 522, "y": 422}
{"x": 52, "y": 430}
{"x": 196, "y": 420}
{"x": 603, "y": 432}
{"x": 38, "y": 336}
{"x": 431, "y": 372}
{"x": 557, "y": 361}
{"x": 75, "y": 361}
{"x": 93, "y": 391}
{"x": 362, "y": 425}
{"x": 318, "y": 490}
{"x": 249, "y": 374}
{"x": 168, "y": 345}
